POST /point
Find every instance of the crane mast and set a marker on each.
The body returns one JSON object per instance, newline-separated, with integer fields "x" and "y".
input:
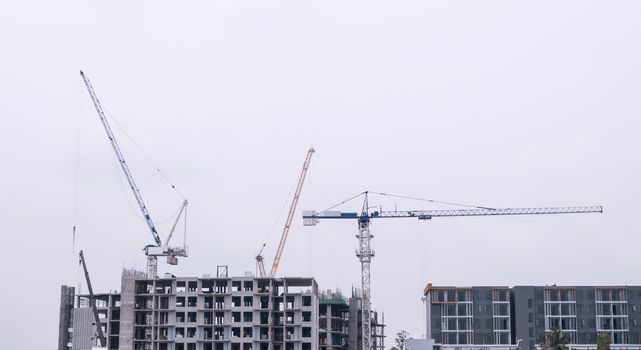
{"x": 92, "y": 301}
{"x": 290, "y": 216}
{"x": 152, "y": 251}
{"x": 365, "y": 253}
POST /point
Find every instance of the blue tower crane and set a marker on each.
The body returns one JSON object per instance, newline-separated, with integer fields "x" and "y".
{"x": 365, "y": 253}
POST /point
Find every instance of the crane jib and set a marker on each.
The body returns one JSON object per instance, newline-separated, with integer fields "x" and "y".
{"x": 121, "y": 160}
{"x": 429, "y": 214}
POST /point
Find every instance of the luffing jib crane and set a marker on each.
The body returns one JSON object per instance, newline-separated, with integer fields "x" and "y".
{"x": 92, "y": 301}
{"x": 365, "y": 253}
{"x": 260, "y": 267}
{"x": 153, "y": 251}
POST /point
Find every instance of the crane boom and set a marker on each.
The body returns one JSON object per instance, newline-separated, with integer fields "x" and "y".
{"x": 92, "y": 301}
{"x": 121, "y": 160}
{"x": 365, "y": 253}
{"x": 290, "y": 215}
{"x": 310, "y": 217}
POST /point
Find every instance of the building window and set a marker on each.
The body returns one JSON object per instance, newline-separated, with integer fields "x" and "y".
{"x": 502, "y": 323}
{"x": 191, "y": 301}
{"x": 307, "y": 332}
{"x": 503, "y": 338}
{"x": 235, "y": 332}
{"x": 500, "y": 295}
{"x": 248, "y": 286}
{"x": 462, "y": 338}
{"x": 180, "y": 301}
{"x": 501, "y": 309}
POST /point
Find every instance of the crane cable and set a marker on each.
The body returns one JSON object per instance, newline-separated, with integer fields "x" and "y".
{"x": 408, "y": 197}
{"x": 154, "y": 165}
{"x": 134, "y": 210}
{"x": 343, "y": 202}
{"x": 76, "y": 175}
{"x": 432, "y": 201}
{"x": 280, "y": 214}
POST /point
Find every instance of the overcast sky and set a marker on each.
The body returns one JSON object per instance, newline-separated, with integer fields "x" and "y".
{"x": 497, "y": 103}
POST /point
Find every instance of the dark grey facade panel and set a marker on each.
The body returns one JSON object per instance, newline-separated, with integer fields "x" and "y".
{"x": 67, "y": 295}
{"x": 634, "y": 313}
{"x": 524, "y": 315}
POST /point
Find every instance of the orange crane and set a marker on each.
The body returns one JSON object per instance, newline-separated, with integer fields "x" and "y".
{"x": 260, "y": 267}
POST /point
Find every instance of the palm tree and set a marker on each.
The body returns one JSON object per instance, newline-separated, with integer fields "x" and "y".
{"x": 556, "y": 340}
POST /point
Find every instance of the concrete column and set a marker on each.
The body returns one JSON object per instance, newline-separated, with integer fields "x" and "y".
{"x": 127, "y": 300}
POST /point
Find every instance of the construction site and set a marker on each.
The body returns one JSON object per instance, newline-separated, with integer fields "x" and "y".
{"x": 263, "y": 310}
{"x": 320, "y": 175}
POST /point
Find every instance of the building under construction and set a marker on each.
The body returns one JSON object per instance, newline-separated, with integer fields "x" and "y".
{"x": 209, "y": 313}
{"x": 340, "y": 323}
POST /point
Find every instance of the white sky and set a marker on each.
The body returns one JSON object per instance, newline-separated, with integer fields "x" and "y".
{"x": 494, "y": 103}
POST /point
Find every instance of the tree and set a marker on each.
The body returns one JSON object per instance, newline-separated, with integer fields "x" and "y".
{"x": 400, "y": 340}
{"x": 556, "y": 340}
{"x": 603, "y": 341}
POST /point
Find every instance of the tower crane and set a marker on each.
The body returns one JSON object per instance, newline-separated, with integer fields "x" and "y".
{"x": 365, "y": 253}
{"x": 153, "y": 251}
{"x": 260, "y": 267}
{"x": 92, "y": 301}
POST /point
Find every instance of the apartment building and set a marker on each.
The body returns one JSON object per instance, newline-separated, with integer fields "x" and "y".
{"x": 519, "y": 317}
{"x": 464, "y": 316}
{"x": 580, "y": 312}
